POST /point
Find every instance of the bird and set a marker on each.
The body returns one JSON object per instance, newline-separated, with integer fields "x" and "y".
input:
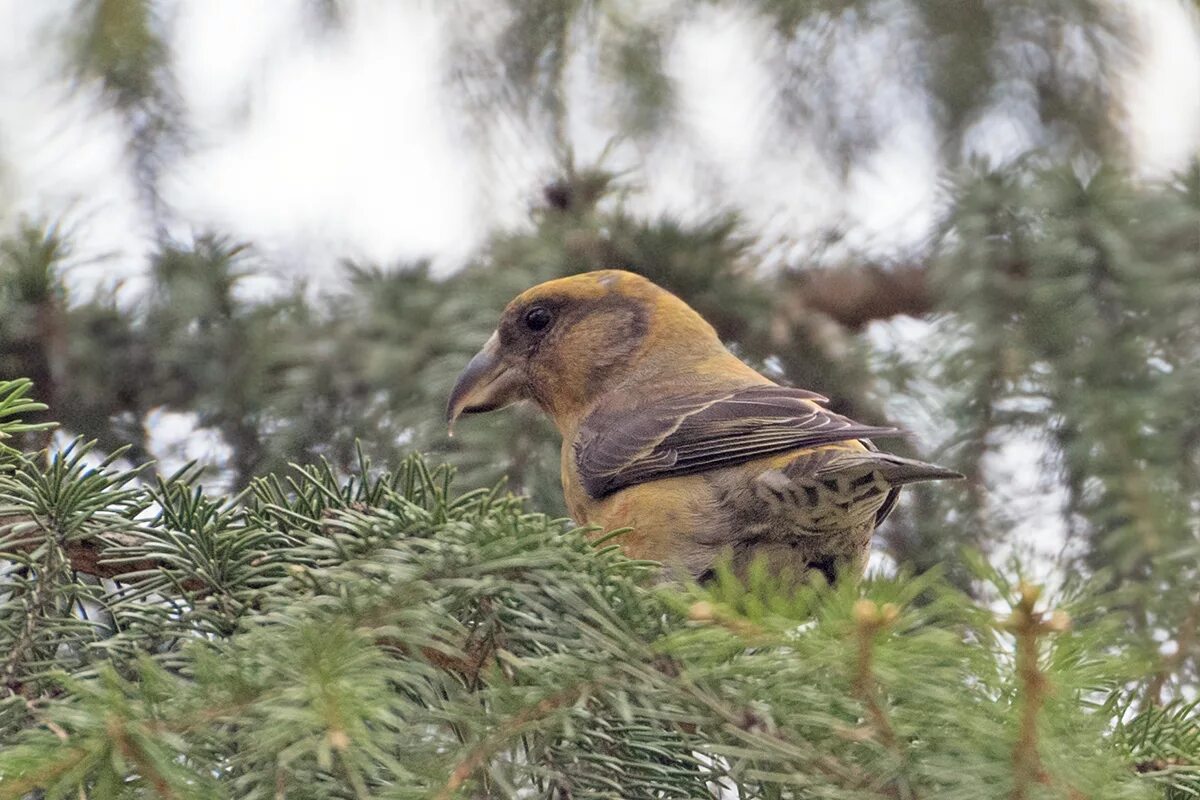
{"x": 707, "y": 462}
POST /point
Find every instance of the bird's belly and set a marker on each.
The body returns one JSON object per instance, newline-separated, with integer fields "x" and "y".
{"x": 751, "y": 511}
{"x": 664, "y": 517}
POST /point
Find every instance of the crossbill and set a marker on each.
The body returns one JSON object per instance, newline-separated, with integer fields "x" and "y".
{"x": 666, "y": 432}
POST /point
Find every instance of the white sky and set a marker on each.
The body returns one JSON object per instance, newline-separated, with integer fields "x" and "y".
{"x": 319, "y": 147}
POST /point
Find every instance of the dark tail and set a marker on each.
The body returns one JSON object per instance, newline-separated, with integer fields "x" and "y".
{"x": 896, "y": 470}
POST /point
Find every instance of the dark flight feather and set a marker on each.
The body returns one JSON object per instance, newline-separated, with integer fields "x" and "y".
{"x": 617, "y": 448}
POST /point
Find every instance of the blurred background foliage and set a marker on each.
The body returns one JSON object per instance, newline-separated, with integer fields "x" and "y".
{"x": 1059, "y": 291}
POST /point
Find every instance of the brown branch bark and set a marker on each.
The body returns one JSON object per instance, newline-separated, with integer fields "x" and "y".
{"x": 855, "y": 296}
{"x": 89, "y": 556}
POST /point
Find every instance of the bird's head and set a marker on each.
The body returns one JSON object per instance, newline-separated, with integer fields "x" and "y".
{"x": 566, "y": 342}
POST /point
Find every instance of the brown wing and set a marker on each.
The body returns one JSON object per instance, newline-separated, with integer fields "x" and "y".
{"x": 693, "y": 433}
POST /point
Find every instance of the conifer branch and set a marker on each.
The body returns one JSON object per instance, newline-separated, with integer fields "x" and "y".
{"x": 64, "y": 761}
{"x": 92, "y": 552}
{"x": 514, "y": 726}
{"x": 35, "y": 606}
{"x": 1185, "y": 643}
{"x": 1029, "y": 626}
{"x": 870, "y": 619}
{"x": 135, "y": 754}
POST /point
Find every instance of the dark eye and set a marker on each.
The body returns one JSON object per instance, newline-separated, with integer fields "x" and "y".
{"x": 538, "y": 318}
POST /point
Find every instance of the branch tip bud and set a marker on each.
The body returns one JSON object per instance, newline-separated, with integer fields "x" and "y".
{"x": 1059, "y": 621}
{"x": 1029, "y": 594}
{"x": 702, "y": 611}
{"x": 866, "y": 612}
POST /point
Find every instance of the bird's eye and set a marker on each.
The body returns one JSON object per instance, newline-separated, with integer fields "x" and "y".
{"x": 538, "y": 318}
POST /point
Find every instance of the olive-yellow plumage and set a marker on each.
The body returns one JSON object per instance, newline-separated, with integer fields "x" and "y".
{"x": 667, "y": 432}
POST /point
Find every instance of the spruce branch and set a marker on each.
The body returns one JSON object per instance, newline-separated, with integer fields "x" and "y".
{"x": 1164, "y": 745}
{"x": 1029, "y": 626}
{"x": 345, "y": 646}
{"x": 36, "y": 608}
{"x": 65, "y": 761}
{"x": 98, "y": 553}
{"x": 131, "y": 748}
{"x": 509, "y": 729}
{"x": 1185, "y": 644}
{"x": 870, "y": 620}
{"x": 15, "y": 401}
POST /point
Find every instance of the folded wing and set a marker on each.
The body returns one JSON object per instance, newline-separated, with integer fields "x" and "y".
{"x": 682, "y": 435}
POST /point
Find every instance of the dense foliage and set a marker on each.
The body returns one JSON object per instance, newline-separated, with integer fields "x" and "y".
{"x": 381, "y": 636}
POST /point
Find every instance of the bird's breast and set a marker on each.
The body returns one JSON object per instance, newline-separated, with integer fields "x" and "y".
{"x": 663, "y": 516}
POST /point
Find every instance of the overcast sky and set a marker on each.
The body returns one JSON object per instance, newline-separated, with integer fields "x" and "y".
{"x": 316, "y": 147}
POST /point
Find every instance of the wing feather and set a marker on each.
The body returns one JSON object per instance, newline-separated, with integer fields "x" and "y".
{"x": 692, "y": 433}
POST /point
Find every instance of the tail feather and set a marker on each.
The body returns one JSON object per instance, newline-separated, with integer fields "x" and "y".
{"x": 896, "y": 470}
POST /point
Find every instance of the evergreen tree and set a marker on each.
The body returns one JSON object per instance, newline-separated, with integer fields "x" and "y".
{"x": 343, "y": 628}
